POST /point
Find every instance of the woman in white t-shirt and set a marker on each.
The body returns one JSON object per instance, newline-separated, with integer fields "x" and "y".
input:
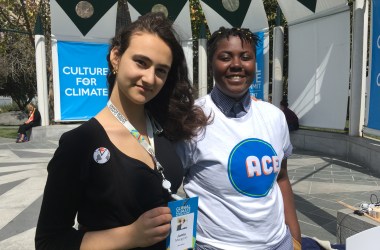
{"x": 237, "y": 167}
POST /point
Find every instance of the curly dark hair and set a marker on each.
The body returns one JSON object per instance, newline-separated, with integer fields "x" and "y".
{"x": 173, "y": 107}
{"x": 244, "y": 34}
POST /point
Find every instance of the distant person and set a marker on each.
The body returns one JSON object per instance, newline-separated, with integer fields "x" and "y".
{"x": 34, "y": 120}
{"x": 291, "y": 117}
{"x": 270, "y": 99}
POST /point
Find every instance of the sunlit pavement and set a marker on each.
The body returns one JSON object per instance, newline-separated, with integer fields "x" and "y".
{"x": 318, "y": 182}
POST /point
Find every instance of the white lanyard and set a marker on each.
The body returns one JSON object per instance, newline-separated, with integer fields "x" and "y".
{"x": 165, "y": 183}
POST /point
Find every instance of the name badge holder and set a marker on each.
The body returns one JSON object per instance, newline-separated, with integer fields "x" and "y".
{"x": 183, "y": 225}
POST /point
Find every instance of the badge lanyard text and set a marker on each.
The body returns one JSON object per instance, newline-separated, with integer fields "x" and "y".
{"x": 120, "y": 117}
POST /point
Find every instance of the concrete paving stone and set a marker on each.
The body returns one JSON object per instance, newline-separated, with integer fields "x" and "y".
{"x": 315, "y": 219}
{"x": 316, "y": 169}
{"x": 365, "y": 171}
{"x": 298, "y": 174}
{"x": 28, "y": 154}
{"x": 8, "y": 186}
{"x": 340, "y": 186}
{"x": 9, "y": 172}
{"x": 322, "y": 166}
{"x": 23, "y": 175}
{"x": 339, "y": 173}
{"x": 346, "y": 163}
{"x": 343, "y": 177}
{"x": 301, "y": 196}
{"x": 360, "y": 176}
{"x": 366, "y": 182}
{"x": 326, "y": 175}
{"x": 305, "y": 172}
{"x": 349, "y": 181}
{"x": 339, "y": 167}
{"x": 307, "y": 161}
{"x": 324, "y": 211}
{"x": 294, "y": 168}
{"x": 10, "y": 164}
{"x": 305, "y": 207}
{"x": 315, "y": 179}
{"x": 365, "y": 193}
{"x": 318, "y": 232}
{"x": 325, "y": 204}
{"x": 23, "y": 222}
{"x": 323, "y": 171}
{"x": 301, "y": 186}
{"x": 354, "y": 202}
{"x": 319, "y": 167}
{"x": 330, "y": 196}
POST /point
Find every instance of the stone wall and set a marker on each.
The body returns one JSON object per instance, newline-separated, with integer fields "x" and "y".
{"x": 358, "y": 150}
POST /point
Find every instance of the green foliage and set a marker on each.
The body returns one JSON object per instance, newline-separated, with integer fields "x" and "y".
{"x": 17, "y": 53}
{"x": 197, "y": 19}
{"x": 9, "y": 107}
{"x": 10, "y": 132}
{"x": 17, "y": 69}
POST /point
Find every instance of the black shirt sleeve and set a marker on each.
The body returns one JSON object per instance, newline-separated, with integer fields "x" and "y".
{"x": 61, "y": 196}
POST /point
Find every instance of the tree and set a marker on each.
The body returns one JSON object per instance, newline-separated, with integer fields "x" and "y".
{"x": 17, "y": 61}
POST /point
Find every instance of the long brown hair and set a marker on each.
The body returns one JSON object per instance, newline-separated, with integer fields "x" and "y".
{"x": 173, "y": 107}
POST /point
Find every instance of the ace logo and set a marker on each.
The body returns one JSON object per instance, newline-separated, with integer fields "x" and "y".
{"x": 253, "y": 166}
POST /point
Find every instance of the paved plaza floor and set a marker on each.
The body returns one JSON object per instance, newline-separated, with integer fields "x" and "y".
{"x": 318, "y": 182}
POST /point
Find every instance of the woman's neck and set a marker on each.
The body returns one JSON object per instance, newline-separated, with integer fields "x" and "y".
{"x": 134, "y": 113}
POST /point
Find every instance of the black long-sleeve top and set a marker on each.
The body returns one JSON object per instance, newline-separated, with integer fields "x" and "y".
{"x": 105, "y": 193}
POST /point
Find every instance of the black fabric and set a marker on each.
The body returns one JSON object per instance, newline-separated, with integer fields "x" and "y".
{"x": 291, "y": 119}
{"x": 105, "y": 195}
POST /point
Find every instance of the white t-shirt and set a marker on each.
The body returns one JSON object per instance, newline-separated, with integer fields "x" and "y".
{"x": 233, "y": 168}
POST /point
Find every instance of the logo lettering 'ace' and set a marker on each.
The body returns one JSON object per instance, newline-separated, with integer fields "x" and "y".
{"x": 253, "y": 166}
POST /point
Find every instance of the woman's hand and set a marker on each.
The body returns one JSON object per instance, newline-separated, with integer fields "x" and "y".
{"x": 151, "y": 227}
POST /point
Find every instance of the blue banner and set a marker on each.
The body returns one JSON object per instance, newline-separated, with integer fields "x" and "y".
{"x": 257, "y": 87}
{"x": 82, "y": 79}
{"x": 374, "y": 103}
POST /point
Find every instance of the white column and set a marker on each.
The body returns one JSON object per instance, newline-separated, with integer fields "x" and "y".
{"x": 202, "y": 67}
{"x": 187, "y": 46}
{"x": 358, "y": 67}
{"x": 277, "y": 66}
{"x": 266, "y": 65}
{"x": 42, "y": 89}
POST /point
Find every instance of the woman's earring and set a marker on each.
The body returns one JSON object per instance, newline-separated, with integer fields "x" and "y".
{"x": 114, "y": 71}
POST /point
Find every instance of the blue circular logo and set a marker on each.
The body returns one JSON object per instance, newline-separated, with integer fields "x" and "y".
{"x": 253, "y": 166}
